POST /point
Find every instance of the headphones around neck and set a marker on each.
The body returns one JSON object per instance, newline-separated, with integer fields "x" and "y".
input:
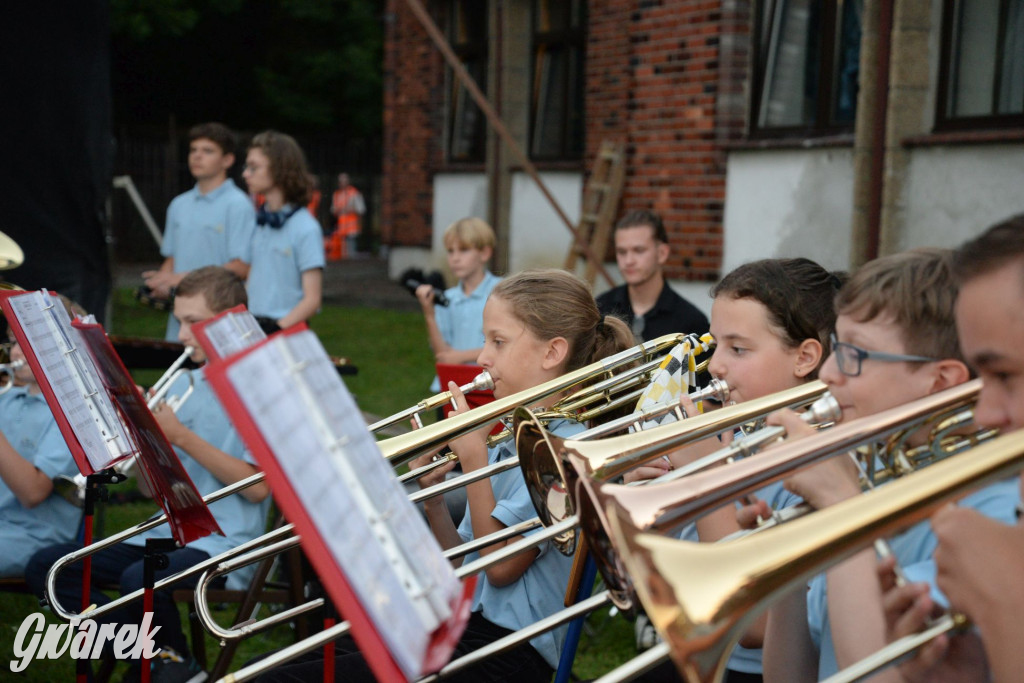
{"x": 275, "y": 219}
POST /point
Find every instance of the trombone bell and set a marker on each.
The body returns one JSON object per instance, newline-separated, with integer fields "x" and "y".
{"x": 702, "y": 597}
{"x": 550, "y": 498}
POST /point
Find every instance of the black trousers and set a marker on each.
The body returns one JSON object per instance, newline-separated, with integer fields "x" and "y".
{"x": 120, "y": 565}
{"x": 523, "y": 664}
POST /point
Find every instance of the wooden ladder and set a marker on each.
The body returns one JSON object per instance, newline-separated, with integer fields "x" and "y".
{"x": 600, "y": 202}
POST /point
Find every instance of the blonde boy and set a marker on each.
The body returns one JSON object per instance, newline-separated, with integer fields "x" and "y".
{"x": 455, "y": 331}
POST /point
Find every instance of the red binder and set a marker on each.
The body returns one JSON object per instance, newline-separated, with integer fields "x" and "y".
{"x": 187, "y": 514}
{"x": 462, "y": 375}
{"x": 74, "y": 445}
{"x": 290, "y": 492}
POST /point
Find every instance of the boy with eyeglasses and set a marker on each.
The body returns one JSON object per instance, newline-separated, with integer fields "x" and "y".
{"x": 895, "y": 341}
{"x": 978, "y": 561}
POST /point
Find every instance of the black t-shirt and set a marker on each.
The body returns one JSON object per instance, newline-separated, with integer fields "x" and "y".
{"x": 671, "y": 314}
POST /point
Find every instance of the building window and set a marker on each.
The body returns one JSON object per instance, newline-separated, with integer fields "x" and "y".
{"x": 468, "y": 37}
{"x": 807, "y": 55}
{"x": 556, "y": 99}
{"x": 981, "y": 79}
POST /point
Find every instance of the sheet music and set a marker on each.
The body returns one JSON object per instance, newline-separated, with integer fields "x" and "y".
{"x": 72, "y": 377}
{"x": 377, "y": 537}
{"x": 233, "y": 332}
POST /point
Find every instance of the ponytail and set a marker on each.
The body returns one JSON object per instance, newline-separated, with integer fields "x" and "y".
{"x": 611, "y": 335}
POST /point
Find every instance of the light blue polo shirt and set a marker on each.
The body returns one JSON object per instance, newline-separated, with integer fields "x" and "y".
{"x": 540, "y": 591}
{"x": 30, "y": 428}
{"x": 911, "y": 548}
{"x": 279, "y": 257}
{"x": 743, "y": 659}
{"x": 461, "y": 322}
{"x": 925, "y": 572}
{"x": 207, "y": 230}
{"x": 239, "y": 519}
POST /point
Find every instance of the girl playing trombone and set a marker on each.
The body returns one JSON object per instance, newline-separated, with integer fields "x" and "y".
{"x": 538, "y": 325}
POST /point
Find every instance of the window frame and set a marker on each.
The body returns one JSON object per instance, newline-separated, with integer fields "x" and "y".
{"x": 569, "y": 38}
{"x": 827, "y": 81}
{"x": 943, "y": 120}
{"x": 478, "y": 50}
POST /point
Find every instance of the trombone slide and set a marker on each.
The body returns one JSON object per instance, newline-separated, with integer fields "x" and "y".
{"x": 899, "y": 650}
{"x": 482, "y": 382}
{"x": 399, "y": 449}
{"x": 167, "y": 380}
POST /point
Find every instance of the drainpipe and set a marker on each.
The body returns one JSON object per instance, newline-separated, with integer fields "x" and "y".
{"x": 876, "y": 179}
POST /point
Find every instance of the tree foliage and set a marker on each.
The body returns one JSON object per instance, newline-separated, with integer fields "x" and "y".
{"x": 298, "y": 65}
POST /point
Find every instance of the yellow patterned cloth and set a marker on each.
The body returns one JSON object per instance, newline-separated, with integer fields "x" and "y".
{"x": 674, "y": 377}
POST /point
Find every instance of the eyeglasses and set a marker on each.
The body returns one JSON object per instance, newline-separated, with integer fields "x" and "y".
{"x": 850, "y": 357}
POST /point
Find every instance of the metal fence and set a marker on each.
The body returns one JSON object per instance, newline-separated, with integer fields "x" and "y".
{"x": 158, "y": 166}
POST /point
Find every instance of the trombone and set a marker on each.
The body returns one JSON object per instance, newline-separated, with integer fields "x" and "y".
{"x": 7, "y": 370}
{"x": 553, "y": 483}
{"x": 168, "y": 379}
{"x": 664, "y": 508}
{"x": 230, "y": 563}
{"x": 396, "y": 449}
{"x": 482, "y": 382}
{"x": 703, "y": 612}
{"x": 402, "y": 448}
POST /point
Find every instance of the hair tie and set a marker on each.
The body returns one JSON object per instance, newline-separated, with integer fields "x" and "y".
{"x": 836, "y": 281}
{"x": 600, "y": 322}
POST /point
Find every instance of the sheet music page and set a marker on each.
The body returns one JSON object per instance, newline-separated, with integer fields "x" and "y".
{"x": 234, "y": 332}
{"x": 73, "y": 378}
{"x": 374, "y": 533}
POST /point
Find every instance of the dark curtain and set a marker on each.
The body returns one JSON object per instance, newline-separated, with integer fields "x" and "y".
{"x": 56, "y": 121}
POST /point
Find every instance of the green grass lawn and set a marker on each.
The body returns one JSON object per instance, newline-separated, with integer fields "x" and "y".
{"x": 394, "y": 371}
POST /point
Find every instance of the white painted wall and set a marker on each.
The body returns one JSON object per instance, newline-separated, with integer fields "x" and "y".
{"x": 539, "y": 238}
{"x": 788, "y": 203}
{"x": 953, "y": 193}
{"x": 456, "y": 195}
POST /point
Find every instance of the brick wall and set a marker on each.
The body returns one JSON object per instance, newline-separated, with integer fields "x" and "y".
{"x": 672, "y": 86}
{"x": 413, "y": 116}
{"x": 666, "y": 76}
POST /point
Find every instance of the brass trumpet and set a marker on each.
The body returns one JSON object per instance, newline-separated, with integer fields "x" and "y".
{"x": 703, "y": 613}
